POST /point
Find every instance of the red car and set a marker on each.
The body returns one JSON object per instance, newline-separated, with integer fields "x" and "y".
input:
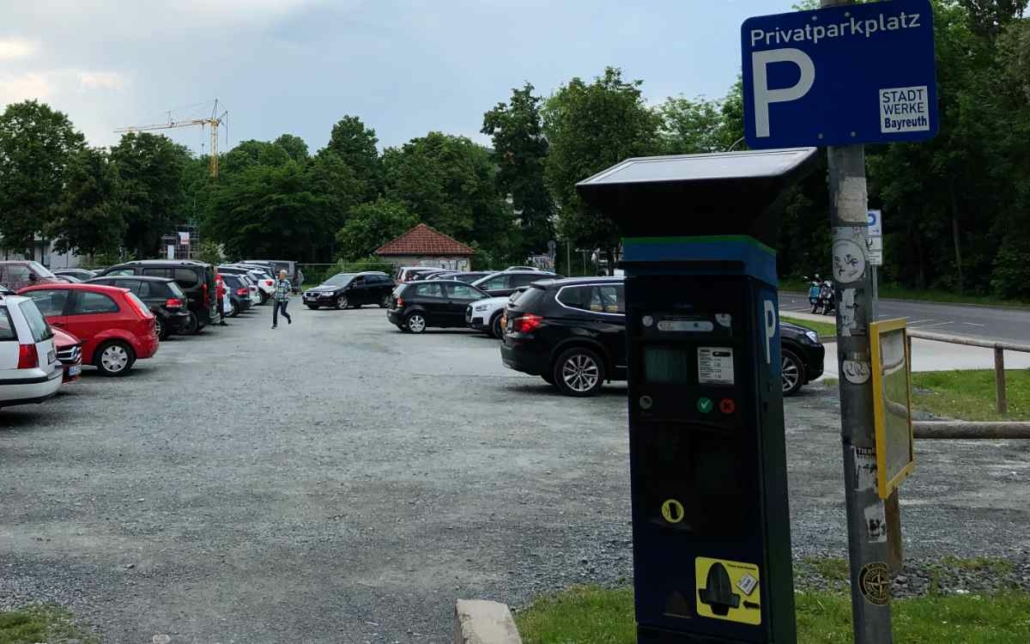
{"x": 116, "y": 327}
{"x": 69, "y": 352}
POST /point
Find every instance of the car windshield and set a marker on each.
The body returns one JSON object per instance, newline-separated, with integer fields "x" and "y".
{"x": 340, "y": 279}
{"x": 41, "y": 270}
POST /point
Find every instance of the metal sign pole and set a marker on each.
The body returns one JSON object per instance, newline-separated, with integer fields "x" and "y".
{"x": 854, "y": 284}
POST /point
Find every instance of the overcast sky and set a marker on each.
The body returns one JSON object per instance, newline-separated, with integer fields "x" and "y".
{"x": 404, "y": 66}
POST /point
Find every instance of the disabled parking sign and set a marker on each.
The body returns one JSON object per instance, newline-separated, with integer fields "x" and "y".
{"x": 852, "y": 74}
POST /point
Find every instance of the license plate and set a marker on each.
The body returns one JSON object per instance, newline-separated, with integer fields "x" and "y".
{"x": 74, "y": 371}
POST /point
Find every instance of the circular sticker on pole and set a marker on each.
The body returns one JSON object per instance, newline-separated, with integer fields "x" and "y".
{"x": 875, "y": 582}
{"x": 848, "y": 261}
{"x": 672, "y": 511}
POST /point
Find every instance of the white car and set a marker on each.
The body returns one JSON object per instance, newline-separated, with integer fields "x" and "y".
{"x": 29, "y": 369}
{"x": 485, "y": 315}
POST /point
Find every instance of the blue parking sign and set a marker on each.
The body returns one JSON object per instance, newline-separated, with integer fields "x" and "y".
{"x": 844, "y": 75}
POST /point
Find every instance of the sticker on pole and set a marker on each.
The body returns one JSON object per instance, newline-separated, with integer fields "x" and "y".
{"x": 728, "y": 591}
{"x": 851, "y": 74}
{"x": 892, "y": 404}
{"x": 715, "y": 365}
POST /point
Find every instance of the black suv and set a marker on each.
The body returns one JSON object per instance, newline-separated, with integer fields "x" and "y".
{"x": 162, "y": 296}
{"x": 505, "y": 283}
{"x": 572, "y": 333}
{"x": 417, "y": 306}
{"x": 351, "y": 290}
{"x": 196, "y": 279}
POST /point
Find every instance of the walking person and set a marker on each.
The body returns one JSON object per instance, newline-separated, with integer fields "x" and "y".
{"x": 298, "y": 280}
{"x": 282, "y": 298}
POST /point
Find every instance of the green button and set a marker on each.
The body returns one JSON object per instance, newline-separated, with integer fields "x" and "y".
{"x": 704, "y": 405}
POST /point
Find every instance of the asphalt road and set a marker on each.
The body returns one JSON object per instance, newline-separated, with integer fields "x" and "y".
{"x": 1012, "y": 324}
{"x": 337, "y": 481}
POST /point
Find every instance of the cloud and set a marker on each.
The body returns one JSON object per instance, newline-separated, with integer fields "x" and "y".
{"x": 16, "y": 48}
{"x": 101, "y": 80}
{"x": 22, "y": 87}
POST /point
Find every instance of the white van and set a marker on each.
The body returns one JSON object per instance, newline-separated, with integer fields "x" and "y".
{"x": 29, "y": 369}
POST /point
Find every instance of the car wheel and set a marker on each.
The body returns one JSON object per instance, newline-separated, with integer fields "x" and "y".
{"x": 263, "y": 296}
{"x": 115, "y": 358}
{"x": 793, "y": 372}
{"x": 342, "y": 303}
{"x": 313, "y": 307}
{"x": 384, "y": 303}
{"x": 192, "y": 326}
{"x": 234, "y": 309}
{"x": 415, "y": 323}
{"x": 162, "y": 330}
{"x": 495, "y": 327}
{"x": 578, "y": 372}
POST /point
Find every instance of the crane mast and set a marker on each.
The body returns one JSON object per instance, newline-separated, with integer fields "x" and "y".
{"x": 213, "y": 123}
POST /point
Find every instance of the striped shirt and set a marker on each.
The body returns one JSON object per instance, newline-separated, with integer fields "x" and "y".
{"x": 282, "y": 290}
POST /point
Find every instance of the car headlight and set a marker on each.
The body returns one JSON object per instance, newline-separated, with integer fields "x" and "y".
{"x": 481, "y": 307}
{"x": 813, "y": 336}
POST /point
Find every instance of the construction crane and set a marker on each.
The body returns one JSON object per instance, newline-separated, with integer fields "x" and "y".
{"x": 213, "y": 122}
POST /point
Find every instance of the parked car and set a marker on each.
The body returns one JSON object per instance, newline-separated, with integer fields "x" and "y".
{"x": 522, "y": 268}
{"x": 17, "y": 275}
{"x": 81, "y": 273}
{"x": 485, "y": 315}
{"x": 572, "y": 333}
{"x": 196, "y": 279}
{"x": 162, "y": 296}
{"x": 29, "y": 369}
{"x": 275, "y": 265}
{"x": 252, "y": 289}
{"x": 69, "y": 354}
{"x": 239, "y": 295}
{"x": 411, "y": 273}
{"x": 417, "y": 306}
{"x": 262, "y": 278}
{"x": 351, "y": 290}
{"x": 468, "y": 276}
{"x": 507, "y": 282}
{"x": 116, "y": 327}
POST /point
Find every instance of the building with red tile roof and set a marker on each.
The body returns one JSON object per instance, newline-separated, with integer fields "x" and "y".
{"x": 423, "y": 246}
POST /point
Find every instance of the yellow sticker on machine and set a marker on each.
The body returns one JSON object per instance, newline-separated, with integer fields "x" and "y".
{"x": 672, "y": 511}
{"x": 728, "y": 590}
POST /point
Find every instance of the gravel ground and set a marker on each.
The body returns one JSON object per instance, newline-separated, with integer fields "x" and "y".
{"x": 337, "y": 481}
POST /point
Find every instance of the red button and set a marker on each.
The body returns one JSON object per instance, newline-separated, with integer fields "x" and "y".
{"x": 727, "y": 406}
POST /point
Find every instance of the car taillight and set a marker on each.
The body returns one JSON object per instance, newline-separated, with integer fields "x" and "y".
{"x": 528, "y": 323}
{"x": 28, "y": 357}
{"x": 173, "y": 303}
{"x": 400, "y": 302}
{"x": 269, "y": 283}
{"x": 242, "y": 292}
{"x": 205, "y": 294}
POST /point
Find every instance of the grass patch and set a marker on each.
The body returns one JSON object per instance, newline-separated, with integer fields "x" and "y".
{"x": 986, "y": 564}
{"x": 824, "y": 329}
{"x": 933, "y": 295}
{"x": 831, "y": 568}
{"x": 599, "y": 616}
{"x": 40, "y": 624}
{"x": 970, "y": 395}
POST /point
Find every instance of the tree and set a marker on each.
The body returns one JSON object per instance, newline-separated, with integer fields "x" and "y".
{"x": 989, "y": 17}
{"x": 371, "y": 225}
{"x": 356, "y": 144}
{"x": 149, "y": 193}
{"x": 337, "y": 187}
{"x": 448, "y": 183}
{"x": 36, "y": 145}
{"x": 591, "y": 127}
{"x": 86, "y": 220}
{"x": 520, "y": 153}
{"x": 268, "y": 211}
{"x": 694, "y": 126}
{"x": 295, "y": 146}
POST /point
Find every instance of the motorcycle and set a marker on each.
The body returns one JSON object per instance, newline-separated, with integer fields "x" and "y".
{"x": 814, "y": 291}
{"x": 826, "y": 298}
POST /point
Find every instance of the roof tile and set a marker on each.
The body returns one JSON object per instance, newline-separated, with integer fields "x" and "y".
{"x": 423, "y": 240}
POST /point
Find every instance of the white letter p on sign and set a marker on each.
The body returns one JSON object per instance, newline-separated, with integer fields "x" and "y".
{"x": 760, "y": 60}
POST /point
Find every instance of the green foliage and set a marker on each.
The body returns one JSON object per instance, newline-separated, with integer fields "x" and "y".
{"x": 85, "y": 219}
{"x": 591, "y": 127}
{"x": 295, "y": 146}
{"x": 41, "y": 623}
{"x": 600, "y": 616}
{"x": 210, "y": 252}
{"x": 694, "y": 126}
{"x": 448, "y": 183}
{"x": 36, "y": 145}
{"x": 520, "y": 153}
{"x": 149, "y": 199}
{"x": 970, "y": 395}
{"x": 370, "y": 226}
{"x": 356, "y": 145}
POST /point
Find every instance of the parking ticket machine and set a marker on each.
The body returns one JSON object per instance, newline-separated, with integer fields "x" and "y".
{"x": 711, "y": 526}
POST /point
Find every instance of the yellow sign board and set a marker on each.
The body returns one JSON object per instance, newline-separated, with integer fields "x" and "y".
{"x": 728, "y": 590}
{"x": 892, "y": 404}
